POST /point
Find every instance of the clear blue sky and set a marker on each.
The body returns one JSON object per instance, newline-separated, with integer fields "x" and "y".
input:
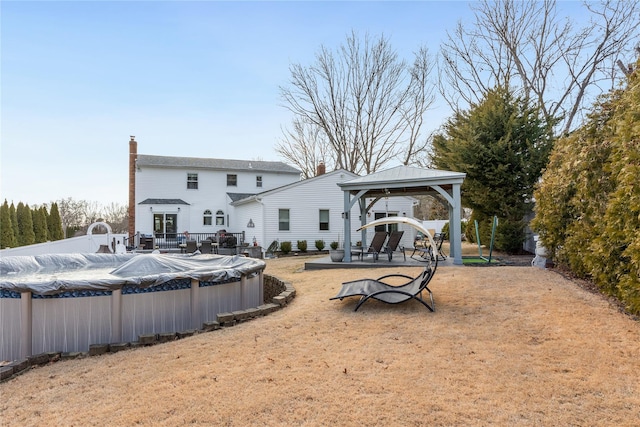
{"x": 186, "y": 78}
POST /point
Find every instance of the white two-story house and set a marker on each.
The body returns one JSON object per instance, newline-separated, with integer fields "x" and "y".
{"x": 175, "y": 195}
{"x": 265, "y": 200}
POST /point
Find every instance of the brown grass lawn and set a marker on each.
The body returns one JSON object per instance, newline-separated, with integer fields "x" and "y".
{"x": 506, "y": 346}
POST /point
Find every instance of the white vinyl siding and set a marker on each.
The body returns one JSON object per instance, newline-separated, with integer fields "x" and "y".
{"x": 169, "y": 183}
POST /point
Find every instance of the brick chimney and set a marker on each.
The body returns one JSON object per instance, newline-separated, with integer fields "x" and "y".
{"x": 133, "y": 155}
{"x": 321, "y": 169}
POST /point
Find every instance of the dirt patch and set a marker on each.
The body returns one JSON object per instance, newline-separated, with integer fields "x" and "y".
{"x": 506, "y": 346}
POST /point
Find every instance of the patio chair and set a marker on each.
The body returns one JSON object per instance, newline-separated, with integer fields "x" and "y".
{"x": 206, "y": 247}
{"x": 376, "y": 245}
{"x": 388, "y": 293}
{"x": 392, "y": 244}
{"x": 428, "y": 253}
{"x": 439, "y": 239}
{"x": 192, "y": 246}
{"x": 422, "y": 254}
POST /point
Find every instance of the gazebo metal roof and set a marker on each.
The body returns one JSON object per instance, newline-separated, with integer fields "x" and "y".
{"x": 403, "y": 180}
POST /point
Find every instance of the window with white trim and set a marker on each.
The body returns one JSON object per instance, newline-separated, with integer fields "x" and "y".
{"x": 192, "y": 181}
{"x": 283, "y": 220}
{"x": 323, "y": 219}
{"x": 207, "y": 218}
{"x": 220, "y": 217}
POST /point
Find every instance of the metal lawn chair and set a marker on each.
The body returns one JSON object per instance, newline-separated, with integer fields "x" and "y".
{"x": 376, "y": 245}
{"x": 439, "y": 240}
{"x": 392, "y": 244}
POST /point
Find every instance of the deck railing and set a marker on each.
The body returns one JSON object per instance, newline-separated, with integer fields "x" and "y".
{"x": 174, "y": 240}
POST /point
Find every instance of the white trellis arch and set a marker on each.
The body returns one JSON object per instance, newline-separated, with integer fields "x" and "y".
{"x": 98, "y": 224}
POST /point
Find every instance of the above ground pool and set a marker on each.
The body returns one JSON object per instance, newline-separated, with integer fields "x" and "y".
{"x": 66, "y": 302}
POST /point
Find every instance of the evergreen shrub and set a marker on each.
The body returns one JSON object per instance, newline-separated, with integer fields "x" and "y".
{"x": 285, "y": 247}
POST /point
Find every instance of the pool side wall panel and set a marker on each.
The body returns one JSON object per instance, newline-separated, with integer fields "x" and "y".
{"x": 74, "y": 321}
{"x": 70, "y": 324}
{"x": 10, "y": 328}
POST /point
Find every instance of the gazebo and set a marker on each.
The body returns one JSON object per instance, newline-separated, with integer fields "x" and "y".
{"x": 405, "y": 181}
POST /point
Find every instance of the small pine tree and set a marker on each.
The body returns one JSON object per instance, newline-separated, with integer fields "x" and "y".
{"x": 54, "y": 223}
{"x": 39, "y": 225}
{"x": 14, "y": 223}
{"x": 7, "y": 238}
{"x": 26, "y": 236}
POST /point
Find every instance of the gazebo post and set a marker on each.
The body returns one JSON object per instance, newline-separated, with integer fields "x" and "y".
{"x": 347, "y": 227}
{"x": 455, "y": 216}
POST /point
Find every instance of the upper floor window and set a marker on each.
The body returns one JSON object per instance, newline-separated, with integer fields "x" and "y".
{"x": 207, "y": 218}
{"x": 283, "y": 219}
{"x": 192, "y": 181}
{"x": 219, "y": 218}
{"x": 232, "y": 180}
{"x": 324, "y": 219}
{"x": 258, "y": 181}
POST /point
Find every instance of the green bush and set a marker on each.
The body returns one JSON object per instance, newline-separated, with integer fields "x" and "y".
{"x": 319, "y": 245}
{"x": 485, "y": 223}
{"x": 285, "y": 247}
{"x": 445, "y": 230}
{"x": 509, "y": 236}
{"x": 302, "y": 245}
{"x": 334, "y": 245}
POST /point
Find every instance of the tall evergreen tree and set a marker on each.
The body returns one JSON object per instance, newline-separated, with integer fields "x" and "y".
{"x": 14, "y": 222}
{"x": 7, "y": 238}
{"x": 26, "y": 236}
{"x": 502, "y": 144}
{"x": 55, "y": 223}
{"x": 40, "y": 225}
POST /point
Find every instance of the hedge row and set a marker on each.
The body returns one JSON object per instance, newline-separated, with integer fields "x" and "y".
{"x": 588, "y": 204}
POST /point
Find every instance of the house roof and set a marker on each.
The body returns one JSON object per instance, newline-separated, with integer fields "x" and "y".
{"x": 402, "y": 180}
{"x": 216, "y": 164}
{"x": 239, "y": 196}
{"x": 252, "y": 197}
{"x": 163, "y": 202}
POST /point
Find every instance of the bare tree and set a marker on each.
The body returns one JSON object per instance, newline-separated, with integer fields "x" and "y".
{"x": 367, "y": 103}
{"x": 80, "y": 214}
{"x": 72, "y": 213}
{"x": 523, "y": 44}
{"x": 306, "y": 146}
{"x": 431, "y": 207}
{"x": 421, "y": 98}
{"x": 117, "y": 216}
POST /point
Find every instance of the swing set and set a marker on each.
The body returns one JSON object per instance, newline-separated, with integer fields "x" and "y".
{"x": 493, "y": 236}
